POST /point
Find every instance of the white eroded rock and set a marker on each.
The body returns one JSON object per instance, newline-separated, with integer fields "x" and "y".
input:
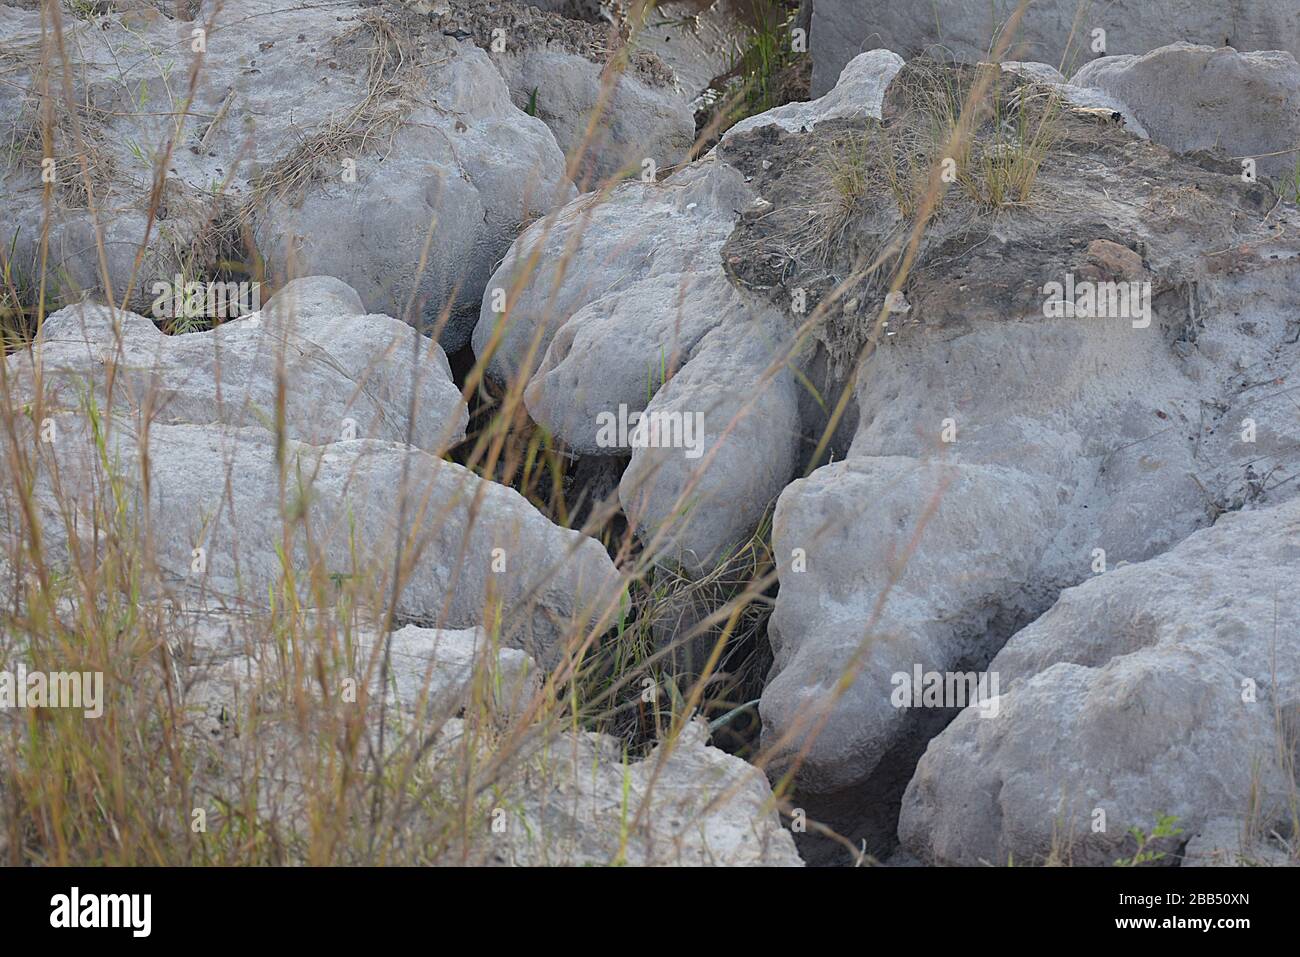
{"x": 683, "y": 804}
{"x": 1059, "y": 32}
{"x": 621, "y": 302}
{"x": 858, "y": 93}
{"x": 1188, "y": 97}
{"x": 346, "y": 374}
{"x": 355, "y": 141}
{"x": 611, "y": 109}
{"x": 557, "y": 798}
{"x": 644, "y": 321}
{"x": 1004, "y": 448}
{"x": 228, "y": 531}
{"x": 1166, "y": 687}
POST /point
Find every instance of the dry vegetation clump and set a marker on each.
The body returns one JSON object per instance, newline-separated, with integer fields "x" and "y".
{"x": 383, "y": 55}
{"x": 958, "y": 151}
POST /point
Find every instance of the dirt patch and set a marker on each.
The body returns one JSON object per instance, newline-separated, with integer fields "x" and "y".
{"x": 525, "y": 28}
{"x": 839, "y": 205}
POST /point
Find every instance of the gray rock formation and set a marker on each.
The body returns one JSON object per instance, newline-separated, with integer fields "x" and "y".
{"x": 857, "y": 94}
{"x": 1166, "y": 687}
{"x": 558, "y": 796}
{"x": 1035, "y": 378}
{"x": 347, "y": 140}
{"x": 1224, "y": 842}
{"x": 645, "y": 321}
{"x": 1086, "y": 97}
{"x": 1238, "y": 105}
{"x": 346, "y": 374}
{"x": 609, "y": 110}
{"x": 1059, "y": 32}
{"x": 683, "y": 804}
{"x": 696, "y": 40}
{"x": 230, "y": 529}
{"x": 1042, "y": 473}
{"x": 433, "y": 674}
{"x": 623, "y": 302}
{"x": 438, "y": 669}
{"x": 1001, "y": 444}
{"x": 561, "y": 798}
